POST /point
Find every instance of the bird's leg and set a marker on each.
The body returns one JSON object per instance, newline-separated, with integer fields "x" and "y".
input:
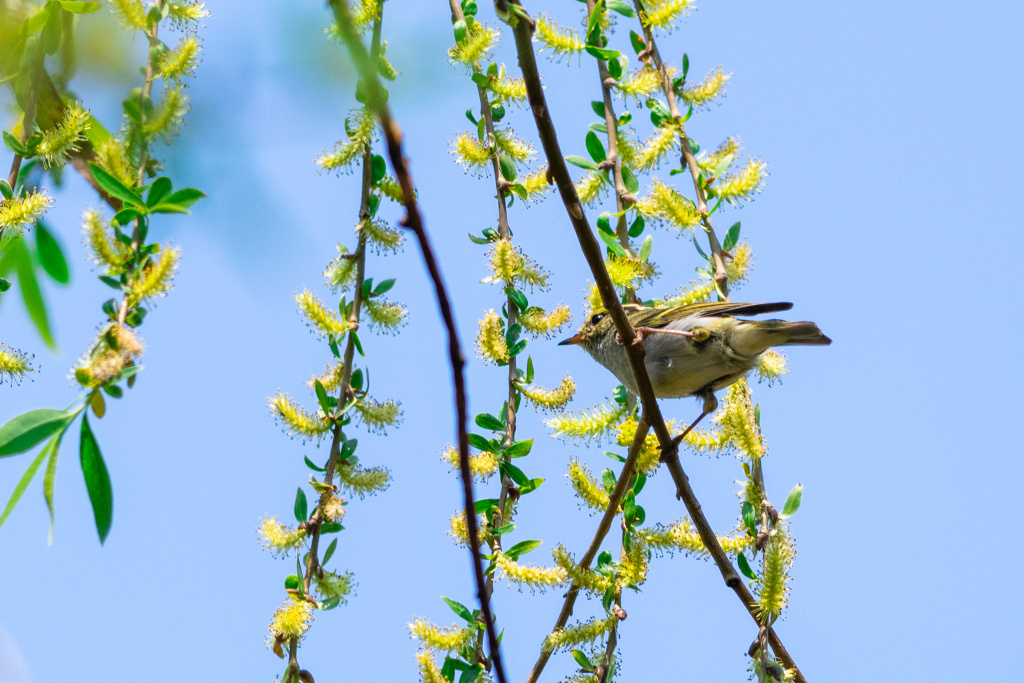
{"x": 710, "y": 406}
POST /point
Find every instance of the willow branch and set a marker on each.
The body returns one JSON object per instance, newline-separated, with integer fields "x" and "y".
{"x": 522, "y": 27}
{"x": 614, "y": 499}
{"x": 413, "y": 220}
{"x": 688, "y": 159}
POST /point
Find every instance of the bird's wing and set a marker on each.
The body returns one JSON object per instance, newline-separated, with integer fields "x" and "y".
{"x": 663, "y": 316}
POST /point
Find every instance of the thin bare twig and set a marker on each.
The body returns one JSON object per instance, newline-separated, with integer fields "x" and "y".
{"x": 366, "y": 67}
{"x": 522, "y": 26}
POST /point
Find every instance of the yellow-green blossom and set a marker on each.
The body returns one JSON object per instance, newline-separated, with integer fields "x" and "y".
{"x": 324, "y": 322}
{"x": 704, "y": 93}
{"x": 471, "y": 153}
{"x": 640, "y": 83}
{"x": 736, "y": 420}
{"x": 586, "y": 579}
{"x": 771, "y": 366}
{"x": 181, "y": 62}
{"x": 17, "y": 212}
{"x": 330, "y": 378}
{"x": 625, "y": 271}
{"x": 662, "y": 204}
{"x": 332, "y": 585}
{"x": 683, "y": 537}
{"x": 743, "y": 184}
{"x": 661, "y": 14}
{"x": 14, "y": 364}
{"x": 592, "y": 187}
{"x": 536, "y": 183}
{"x": 561, "y": 41}
{"x": 529, "y": 575}
{"x": 297, "y": 422}
{"x": 385, "y": 316}
{"x": 156, "y": 277}
{"x": 544, "y": 324}
{"x": 649, "y": 457}
{"x": 588, "y": 424}
{"x": 695, "y": 292}
{"x": 279, "y": 538}
{"x": 292, "y": 619}
{"x": 131, "y": 13}
{"x": 359, "y": 129}
{"x": 483, "y": 465}
{"x": 587, "y": 489}
{"x": 429, "y": 673}
{"x": 186, "y": 13}
{"x": 389, "y": 187}
{"x": 380, "y": 237}
{"x": 165, "y": 120}
{"x": 490, "y": 339}
{"x": 115, "y": 349}
{"x": 507, "y": 89}
{"x": 104, "y": 250}
{"x": 633, "y": 565}
{"x": 341, "y": 271}
{"x": 729, "y": 148}
{"x": 579, "y": 634}
{"x": 112, "y": 157}
{"x": 363, "y": 481}
{"x": 62, "y": 140}
{"x": 475, "y": 46}
{"x": 379, "y": 415}
{"x": 772, "y": 590}
{"x": 549, "y": 399}
{"x": 446, "y": 640}
{"x": 513, "y": 147}
{"x": 664, "y": 141}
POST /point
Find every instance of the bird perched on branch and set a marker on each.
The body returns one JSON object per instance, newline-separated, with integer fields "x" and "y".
{"x": 693, "y": 350}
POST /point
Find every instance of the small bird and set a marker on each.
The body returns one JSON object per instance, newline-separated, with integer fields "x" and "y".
{"x": 693, "y": 350}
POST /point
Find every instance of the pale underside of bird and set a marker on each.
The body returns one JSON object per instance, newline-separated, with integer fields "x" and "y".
{"x": 694, "y": 350}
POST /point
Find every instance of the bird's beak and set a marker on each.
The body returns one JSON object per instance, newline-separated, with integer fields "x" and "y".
{"x": 575, "y": 339}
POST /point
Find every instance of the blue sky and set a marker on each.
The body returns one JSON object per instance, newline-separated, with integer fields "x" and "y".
{"x": 892, "y": 136}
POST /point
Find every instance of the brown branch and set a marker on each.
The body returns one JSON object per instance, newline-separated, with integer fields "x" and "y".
{"x": 414, "y": 221}
{"x": 522, "y": 27}
{"x": 691, "y": 163}
{"x": 614, "y": 498}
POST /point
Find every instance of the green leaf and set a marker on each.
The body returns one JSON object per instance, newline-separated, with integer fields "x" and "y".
{"x": 604, "y": 223}
{"x": 621, "y": 7}
{"x": 329, "y": 552}
{"x": 659, "y": 112}
{"x": 608, "y": 480}
{"x": 26, "y": 478}
{"x": 517, "y": 348}
{"x": 384, "y": 286}
{"x": 312, "y": 465}
{"x": 488, "y": 421}
{"x": 697, "y": 246}
{"x": 301, "y": 507}
{"x": 15, "y": 146}
{"x": 630, "y": 181}
{"x": 502, "y": 530}
{"x": 76, "y": 7}
{"x": 518, "y": 298}
{"x": 480, "y": 79}
{"x": 617, "y": 66}
{"x": 731, "y": 237}
{"x": 582, "y": 660}
{"x": 529, "y": 369}
{"x": 185, "y": 197}
{"x": 531, "y": 485}
{"x": 749, "y": 517}
{"x": 97, "y": 480}
{"x": 50, "y": 254}
{"x": 330, "y": 528}
{"x": 792, "y": 502}
{"x": 598, "y": 108}
{"x": 612, "y": 245}
{"x": 28, "y": 429}
{"x": 321, "y": 396}
{"x": 595, "y": 148}
{"x": 18, "y": 252}
{"x": 638, "y": 483}
{"x": 378, "y": 168}
{"x": 615, "y": 456}
{"x": 481, "y": 443}
{"x": 636, "y": 228}
{"x": 50, "y": 477}
{"x": 521, "y": 548}
{"x": 460, "y": 610}
{"x": 484, "y": 504}
{"x": 637, "y": 42}
{"x": 329, "y": 603}
{"x": 519, "y": 449}
{"x": 115, "y": 187}
{"x": 645, "y": 248}
{"x": 508, "y": 168}
{"x": 514, "y": 473}
{"x": 686, "y": 64}
{"x": 5, "y": 189}
{"x": 126, "y": 216}
{"x": 581, "y": 162}
{"x": 160, "y": 189}
{"x": 602, "y": 53}
{"x": 741, "y": 560}
{"x": 513, "y": 333}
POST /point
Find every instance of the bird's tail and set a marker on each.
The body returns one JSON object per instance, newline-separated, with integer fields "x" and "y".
{"x": 755, "y": 336}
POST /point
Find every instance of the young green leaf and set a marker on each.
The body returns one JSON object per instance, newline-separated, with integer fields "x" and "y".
{"x": 5, "y": 189}
{"x": 489, "y": 422}
{"x": 115, "y": 187}
{"x": 482, "y": 443}
{"x": 598, "y": 108}
{"x": 521, "y": 548}
{"x": 460, "y": 610}
{"x": 514, "y": 473}
{"x": 329, "y": 552}
{"x": 731, "y": 237}
{"x": 630, "y": 181}
{"x": 612, "y": 245}
{"x": 582, "y": 660}
{"x": 97, "y": 480}
{"x": 792, "y": 502}
{"x": 28, "y": 429}
{"x": 581, "y": 162}
{"x": 158, "y": 191}
{"x": 749, "y": 517}
{"x": 51, "y": 476}
{"x": 508, "y": 168}
{"x": 741, "y": 560}
{"x": 50, "y": 254}
{"x": 519, "y": 449}
{"x": 645, "y": 248}
{"x": 595, "y": 148}
{"x": 26, "y": 479}
{"x": 321, "y": 396}
{"x": 301, "y": 506}
{"x": 313, "y": 466}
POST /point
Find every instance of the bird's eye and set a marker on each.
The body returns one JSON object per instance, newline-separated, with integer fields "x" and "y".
{"x": 596, "y": 318}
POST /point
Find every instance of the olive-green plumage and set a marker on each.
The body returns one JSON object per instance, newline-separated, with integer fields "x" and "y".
{"x": 694, "y": 350}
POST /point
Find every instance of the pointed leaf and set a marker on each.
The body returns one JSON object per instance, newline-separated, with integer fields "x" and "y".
{"x": 50, "y": 254}
{"x": 28, "y": 429}
{"x": 792, "y": 502}
{"x": 301, "y": 506}
{"x": 521, "y": 548}
{"x": 97, "y": 480}
{"x": 741, "y": 560}
{"x": 115, "y": 187}
{"x": 460, "y": 609}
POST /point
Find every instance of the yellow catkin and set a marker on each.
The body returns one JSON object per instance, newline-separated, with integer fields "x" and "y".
{"x": 471, "y": 153}
{"x": 665, "y": 205}
{"x": 385, "y": 316}
{"x": 730, "y": 147}
{"x": 292, "y": 619}
{"x": 429, "y": 672}
{"x": 112, "y": 157}
{"x": 297, "y": 422}
{"x": 681, "y": 536}
{"x": 333, "y": 585}
{"x": 633, "y": 565}
{"x": 437, "y": 638}
{"x": 115, "y": 349}
{"x": 578, "y": 634}
{"x": 482, "y": 465}
{"x": 773, "y": 589}
{"x": 156, "y": 277}
{"x": 363, "y": 481}
{"x": 561, "y": 41}
{"x": 379, "y": 415}
{"x": 324, "y": 322}
{"x": 331, "y": 377}
{"x": 661, "y": 14}
{"x": 279, "y": 538}
{"x": 165, "y": 120}
{"x": 519, "y": 150}
{"x": 591, "y": 423}
{"x": 592, "y": 187}
{"x": 529, "y": 575}
{"x": 704, "y": 93}
{"x": 390, "y": 188}
{"x": 736, "y": 420}
{"x": 490, "y": 339}
{"x": 744, "y": 184}
{"x": 771, "y": 366}
{"x": 629, "y": 272}
{"x": 14, "y": 364}
{"x": 506, "y": 88}
{"x": 550, "y": 399}
{"x": 587, "y": 488}
{"x": 359, "y": 127}
{"x": 536, "y": 184}
{"x": 380, "y": 237}
{"x": 63, "y": 139}
{"x": 475, "y": 46}
{"x": 130, "y": 12}
{"x": 187, "y": 13}
{"x": 504, "y": 260}
{"x": 640, "y": 83}
{"x": 544, "y": 324}
{"x": 104, "y": 250}
{"x": 17, "y": 212}
{"x": 585, "y": 579}
{"x": 664, "y": 141}
{"x": 181, "y": 62}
